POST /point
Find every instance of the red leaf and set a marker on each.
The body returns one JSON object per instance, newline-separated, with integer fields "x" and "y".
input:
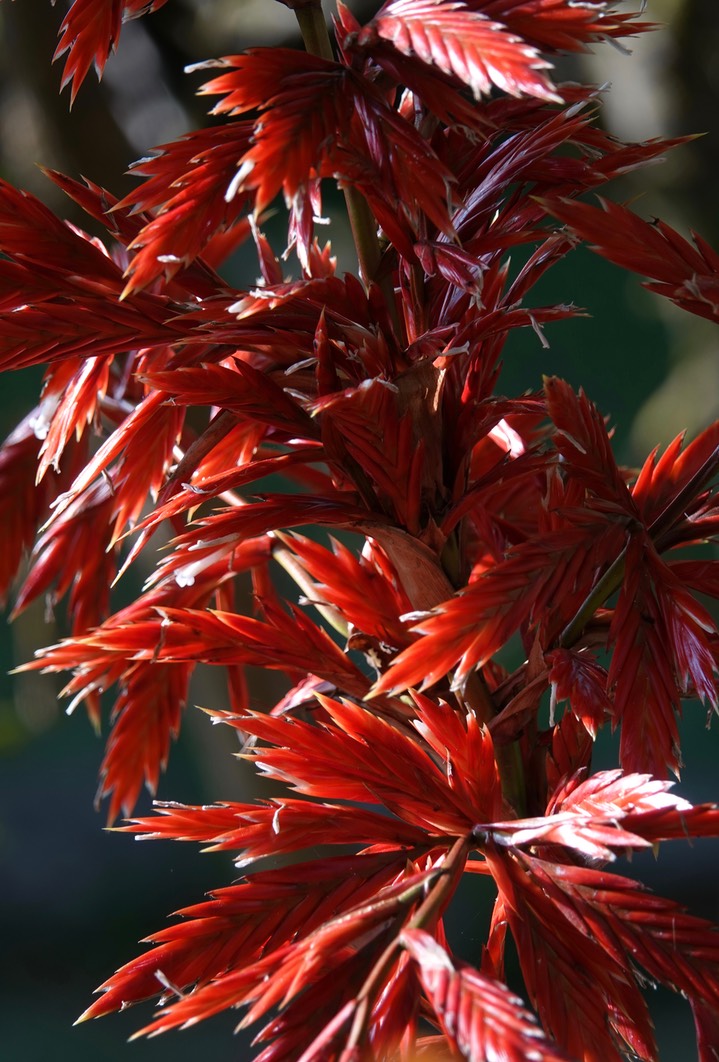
{"x": 242, "y": 922}
{"x": 467, "y": 749}
{"x": 460, "y": 42}
{"x": 575, "y": 969}
{"x": 570, "y": 753}
{"x": 686, "y": 274}
{"x": 660, "y": 490}
{"x": 582, "y": 439}
{"x": 75, "y": 387}
{"x": 146, "y": 715}
{"x": 190, "y": 635}
{"x": 23, "y": 501}
{"x": 75, "y": 554}
{"x": 307, "y": 102}
{"x": 366, "y": 423}
{"x": 335, "y": 958}
{"x": 365, "y": 590}
{"x": 358, "y": 756}
{"x": 469, "y": 629}
{"x": 90, "y": 31}
{"x": 124, "y": 224}
{"x": 661, "y": 652}
{"x": 604, "y": 925}
{"x": 706, "y": 1023}
{"x": 31, "y": 234}
{"x": 276, "y": 826}
{"x": 555, "y": 25}
{"x": 237, "y": 386}
{"x": 143, "y": 446}
{"x": 148, "y": 709}
{"x": 592, "y": 817}
{"x": 576, "y": 677}
{"x": 186, "y": 189}
{"x": 202, "y": 488}
{"x": 480, "y": 1016}
{"x": 320, "y": 119}
{"x": 223, "y": 531}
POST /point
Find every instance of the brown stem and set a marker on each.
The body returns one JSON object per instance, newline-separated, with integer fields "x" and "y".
{"x": 364, "y": 227}
{"x": 427, "y": 915}
{"x": 449, "y": 872}
{"x": 313, "y": 27}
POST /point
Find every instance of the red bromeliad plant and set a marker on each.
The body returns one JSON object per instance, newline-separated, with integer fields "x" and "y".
{"x": 475, "y": 519}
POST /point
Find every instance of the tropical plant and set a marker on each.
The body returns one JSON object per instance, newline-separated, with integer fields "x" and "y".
{"x": 488, "y": 560}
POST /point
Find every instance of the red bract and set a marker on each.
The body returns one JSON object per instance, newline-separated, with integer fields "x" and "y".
{"x": 90, "y": 31}
{"x": 459, "y": 520}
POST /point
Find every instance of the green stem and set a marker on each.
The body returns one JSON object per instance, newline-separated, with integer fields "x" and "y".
{"x": 610, "y": 581}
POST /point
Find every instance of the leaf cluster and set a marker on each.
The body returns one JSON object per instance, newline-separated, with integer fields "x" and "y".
{"x": 459, "y": 520}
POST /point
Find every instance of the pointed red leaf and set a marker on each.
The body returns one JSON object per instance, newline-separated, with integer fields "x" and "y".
{"x": 661, "y": 652}
{"x": 90, "y": 31}
{"x": 480, "y": 1016}
{"x": 575, "y": 969}
{"x": 75, "y": 553}
{"x": 237, "y": 386}
{"x": 146, "y": 715}
{"x": 685, "y": 273}
{"x": 460, "y": 42}
{"x": 582, "y": 439}
{"x": 468, "y": 630}
{"x": 23, "y": 501}
{"x": 576, "y": 677}
{"x": 220, "y": 533}
{"x": 75, "y": 387}
{"x": 365, "y": 590}
{"x": 186, "y": 189}
{"x": 335, "y": 957}
{"x": 276, "y": 826}
{"x": 660, "y": 490}
{"x": 306, "y": 102}
{"x": 241, "y": 922}
{"x": 358, "y": 756}
{"x": 559, "y": 26}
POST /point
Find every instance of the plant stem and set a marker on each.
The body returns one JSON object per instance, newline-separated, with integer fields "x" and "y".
{"x": 313, "y": 28}
{"x": 287, "y": 560}
{"x": 449, "y": 874}
{"x": 610, "y": 581}
{"x": 612, "y": 578}
{"x": 427, "y": 915}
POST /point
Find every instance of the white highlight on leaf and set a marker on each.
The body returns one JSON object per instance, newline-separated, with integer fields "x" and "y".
{"x": 40, "y": 422}
{"x": 237, "y": 181}
{"x": 507, "y": 438}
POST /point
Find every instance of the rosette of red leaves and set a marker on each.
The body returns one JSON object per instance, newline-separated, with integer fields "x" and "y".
{"x": 458, "y": 519}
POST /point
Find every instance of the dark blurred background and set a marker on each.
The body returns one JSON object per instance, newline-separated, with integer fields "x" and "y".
{"x": 73, "y": 898}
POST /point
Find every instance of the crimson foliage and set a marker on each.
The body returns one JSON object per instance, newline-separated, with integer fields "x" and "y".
{"x": 477, "y": 519}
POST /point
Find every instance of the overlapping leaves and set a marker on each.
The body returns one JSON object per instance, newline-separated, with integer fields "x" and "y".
{"x": 474, "y": 520}
{"x": 392, "y": 892}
